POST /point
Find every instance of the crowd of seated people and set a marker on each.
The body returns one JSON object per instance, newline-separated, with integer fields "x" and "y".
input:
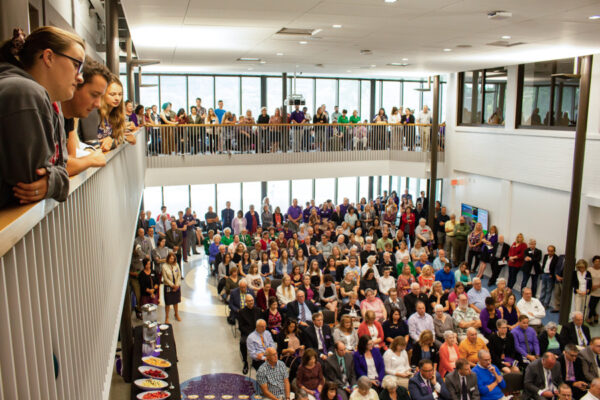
{"x": 403, "y": 300}
{"x": 322, "y": 132}
{"x": 61, "y": 112}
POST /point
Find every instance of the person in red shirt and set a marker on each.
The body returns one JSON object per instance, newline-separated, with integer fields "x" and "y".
{"x": 516, "y": 258}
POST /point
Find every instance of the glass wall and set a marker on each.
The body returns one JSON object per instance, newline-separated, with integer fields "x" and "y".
{"x": 411, "y": 98}
{"x": 228, "y": 89}
{"x": 177, "y": 198}
{"x": 173, "y": 90}
{"x": 363, "y": 187}
{"x": 324, "y": 190}
{"x": 391, "y": 96}
{"x": 274, "y": 96}
{"x": 365, "y": 111}
{"x": 251, "y": 96}
{"x": 302, "y": 189}
{"x": 349, "y": 92}
{"x": 202, "y": 87}
{"x": 153, "y": 200}
{"x": 203, "y": 196}
{"x": 548, "y": 100}
{"x": 305, "y": 87}
{"x": 251, "y": 195}
{"x": 347, "y": 188}
{"x": 483, "y": 97}
{"x": 326, "y": 93}
{"x": 149, "y": 94}
{"x": 278, "y": 193}
{"x": 229, "y": 192}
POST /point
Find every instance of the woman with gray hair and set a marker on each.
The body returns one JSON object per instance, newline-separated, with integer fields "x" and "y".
{"x": 442, "y": 322}
{"x": 449, "y": 353}
{"x": 549, "y": 340}
{"x": 502, "y": 348}
{"x": 392, "y": 391}
{"x": 363, "y": 390}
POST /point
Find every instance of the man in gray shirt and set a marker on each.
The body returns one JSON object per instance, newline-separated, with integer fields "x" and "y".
{"x": 325, "y": 247}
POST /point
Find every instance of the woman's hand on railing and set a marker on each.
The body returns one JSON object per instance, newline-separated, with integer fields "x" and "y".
{"x": 106, "y": 144}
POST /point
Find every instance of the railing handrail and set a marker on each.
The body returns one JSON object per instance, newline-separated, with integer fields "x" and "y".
{"x": 290, "y": 125}
{"x": 16, "y": 221}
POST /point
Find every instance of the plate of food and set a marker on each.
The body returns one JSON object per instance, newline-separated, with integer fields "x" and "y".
{"x": 163, "y": 327}
{"x": 153, "y": 395}
{"x": 150, "y": 384}
{"x": 156, "y": 362}
{"x": 152, "y": 372}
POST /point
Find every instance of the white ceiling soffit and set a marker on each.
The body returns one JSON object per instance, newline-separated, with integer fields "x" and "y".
{"x": 209, "y": 36}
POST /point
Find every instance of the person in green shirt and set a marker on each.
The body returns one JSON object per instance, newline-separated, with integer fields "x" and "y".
{"x": 343, "y": 119}
{"x": 355, "y": 119}
{"x": 227, "y": 239}
{"x": 246, "y": 239}
{"x": 406, "y": 261}
{"x": 208, "y": 240}
{"x": 461, "y": 233}
{"x": 385, "y": 239}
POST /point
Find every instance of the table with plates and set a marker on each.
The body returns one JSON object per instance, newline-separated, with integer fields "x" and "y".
{"x": 169, "y": 353}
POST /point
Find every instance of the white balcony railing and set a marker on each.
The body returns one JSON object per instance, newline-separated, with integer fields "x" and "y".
{"x": 63, "y": 275}
{"x": 212, "y": 145}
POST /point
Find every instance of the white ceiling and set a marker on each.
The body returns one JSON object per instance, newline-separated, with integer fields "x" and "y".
{"x": 209, "y": 36}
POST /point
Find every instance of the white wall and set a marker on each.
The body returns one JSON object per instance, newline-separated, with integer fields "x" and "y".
{"x": 523, "y": 176}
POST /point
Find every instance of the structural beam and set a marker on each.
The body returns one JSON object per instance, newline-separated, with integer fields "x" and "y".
{"x": 576, "y": 182}
{"x": 434, "y": 149}
{"x": 130, "y": 82}
{"x": 284, "y": 96}
{"x": 112, "y": 35}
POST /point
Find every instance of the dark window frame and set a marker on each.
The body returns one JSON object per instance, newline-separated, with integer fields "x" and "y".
{"x": 481, "y": 103}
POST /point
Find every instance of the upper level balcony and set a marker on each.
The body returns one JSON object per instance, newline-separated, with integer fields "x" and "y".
{"x": 184, "y": 154}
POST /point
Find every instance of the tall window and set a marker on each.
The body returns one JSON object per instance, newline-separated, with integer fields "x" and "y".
{"x": 483, "y": 98}
{"x": 411, "y": 98}
{"x": 203, "y": 196}
{"x": 149, "y": 94}
{"x": 326, "y": 94}
{"x": 172, "y": 90}
{"x": 274, "y": 96}
{"x": 302, "y": 190}
{"x": 304, "y": 86}
{"x": 349, "y": 96}
{"x": 228, "y": 89}
{"x": 548, "y": 94}
{"x": 123, "y": 79}
{"x": 365, "y": 101}
{"x": 428, "y": 97}
{"x": 251, "y": 96}
{"x": 324, "y": 190}
{"x": 251, "y": 195}
{"x": 153, "y": 200}
{"x": 202, "y": 87}
{"x": 391, "y": 96}
{"x": 228, "y": 192}
{"x": 347, "y": 188}
{"x": 279, "y": 194}
{"x": 363, "y": 187}
{"x": 177, "y": 198}
{"x": 385, "y": 184}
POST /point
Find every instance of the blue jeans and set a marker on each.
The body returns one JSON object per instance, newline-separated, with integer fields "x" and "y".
{"x": 547, "y": 289}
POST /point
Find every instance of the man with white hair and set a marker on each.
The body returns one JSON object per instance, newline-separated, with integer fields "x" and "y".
{"x": 258, "y": 342}
{"x": 419, "y": 322}
{"x": 440, "y": 260}
{"x": 531, "y": 267}
{"x": 411, "y": 299}
{"x": 594, "y": 390}
{"x": 423, "y": 232}
{"x": 465, "y": 317}
{"x": 477, "y": 295}
{"x": 424, "y": 118}
{"x": 575, "y": 332}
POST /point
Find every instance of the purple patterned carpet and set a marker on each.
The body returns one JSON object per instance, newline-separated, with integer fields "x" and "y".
{"x": 219, "y": 387}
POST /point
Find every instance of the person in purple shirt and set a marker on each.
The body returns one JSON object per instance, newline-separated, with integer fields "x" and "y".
{"x": 294, "y": 215}
{"x": 488, "y": 317}
{"x": 344, "y": 207}
{"x": 526, "y": 341}
{"x": 298, "y": 117}
{"x": 325, "y": 212}
{"x": 306, "y": 212}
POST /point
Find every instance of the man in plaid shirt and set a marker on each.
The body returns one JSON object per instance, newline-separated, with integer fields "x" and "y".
{"x": 273, "y": 377}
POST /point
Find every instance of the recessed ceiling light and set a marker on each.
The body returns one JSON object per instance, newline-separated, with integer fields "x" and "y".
{"x": 405, "y": 59}
{"x": 316, "y": 31}
{"x": 390, "y": 1}
{"x": 263, "y": 62}
{"x": 373, "y": 65}
{"x": 250, "y": 69}
{"x": 248, "y": 59}
{"x": 279, "y": 54}
{"x": 303, "y": 42}
{"x": 348, "y": 70}
{"x": 447, "y": 49}
{"x": 506, "y": 37}
{"x": 337, "y": 26}
{"x": 595, "y": 17}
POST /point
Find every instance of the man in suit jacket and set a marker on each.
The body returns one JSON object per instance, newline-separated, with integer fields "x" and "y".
{"x": 174, "y": 237}
{"x": 575, "y": 331}
{"x": 462, "y": 383}
{"x": 247, "y": 318}
{"x": 590, "y": 360}
{"x": 542, "y": 378}
{"x": 531, "y": 266}
{"x": 498, "y": 259}
{"x": 301, "y": 310}
{"x": 339, "y": 369}
{"x": 572, "y": 371}
{"x": 548, "y": 275}
{"x": 237, "y": 298}
{"x": 318, "y": 336}
{"x": 426, "y": 382}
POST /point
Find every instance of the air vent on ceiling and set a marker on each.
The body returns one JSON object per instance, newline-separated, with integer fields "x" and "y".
{"x": 504, "y": 43}
{"x": 249, "y": 59}
{"x": 398, "y": 64}
{"x": 463, "y": 46}
{"x": 499, "y": 15}
{"x": 296, "y": 31}
{"x": 319, "y": 65}
{"x": 366, "y": 52}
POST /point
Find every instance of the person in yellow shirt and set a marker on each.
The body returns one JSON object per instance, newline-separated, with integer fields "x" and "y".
{"x": 469, "y": 347}
{"x": 449, "y": 228}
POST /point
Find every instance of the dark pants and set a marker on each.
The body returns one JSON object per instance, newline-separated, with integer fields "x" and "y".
{"x": 592, "y": 306}
{"x": 460, "y": 248}
{"x": 496, "y": 269}
{"x": 473, "y": 255}
{"x": 534, "y": 282}
{"x": 244, "y": 349}
{"x": 512, "y": 276}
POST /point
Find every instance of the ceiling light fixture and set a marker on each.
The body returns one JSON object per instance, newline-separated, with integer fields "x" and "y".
{"x": 263, "y": 62}
{"x": 396, "y": 64}
{"x": 279, "y": 54}
{"x": 316, "y": 31}
{"x": 405, "y": 59}
{"x": 337, "y": 26}
{"x": 594, "y": 17}
{"x": 373, "y": 65}
{"x": 506, "y": 37}
{"x": 390, "y": 1}
{"x": 348, "y": 70}
{"x": 250, "y": 69}
{"x": 446, "y": 50}
{"x": 303, "y": 42}
{"x": 248, "y": 59}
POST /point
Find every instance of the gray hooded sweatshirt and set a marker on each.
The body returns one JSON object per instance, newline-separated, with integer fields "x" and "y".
{"x": 31, "y": 136}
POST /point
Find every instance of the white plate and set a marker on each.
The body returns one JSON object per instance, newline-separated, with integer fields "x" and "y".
{"x": 145, "y": 360}
{"x": 139, "y": 383}
{"x": 143, "y": 370}
{"x": 163, "y": 327}
{"x": 140, "y": 396}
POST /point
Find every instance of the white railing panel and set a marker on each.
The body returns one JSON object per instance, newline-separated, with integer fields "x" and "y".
{"x": 63, "y": 277}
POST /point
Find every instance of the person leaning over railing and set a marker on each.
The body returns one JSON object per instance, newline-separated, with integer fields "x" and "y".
{"x": 277, "y": 133}
{"x": 36, "y": 72}
{"x": 86, "y": 98}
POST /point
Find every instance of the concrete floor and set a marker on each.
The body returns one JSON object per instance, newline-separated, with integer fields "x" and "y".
{"x": 205, "y": 343}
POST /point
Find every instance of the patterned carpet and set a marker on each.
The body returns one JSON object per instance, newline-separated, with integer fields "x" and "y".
{"x": 220, "y": 387}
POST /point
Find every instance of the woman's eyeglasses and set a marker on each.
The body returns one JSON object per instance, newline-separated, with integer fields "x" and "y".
{"x": 77, "y": 63}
